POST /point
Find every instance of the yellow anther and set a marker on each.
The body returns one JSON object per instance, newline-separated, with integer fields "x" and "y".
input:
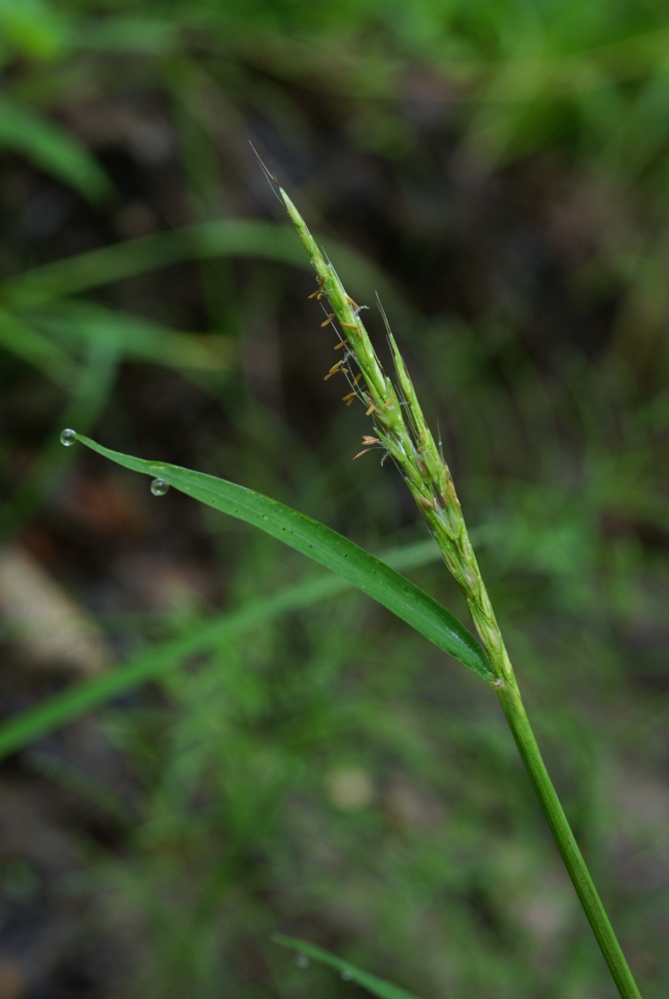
{"x": 334, "y": 369}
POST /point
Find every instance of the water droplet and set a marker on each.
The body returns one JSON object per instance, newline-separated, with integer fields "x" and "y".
{"x": 346, "y": 976}
{"x": 302, "y": 961}
{"x": 159, "y": 487}
{"x": 68, "y": 438}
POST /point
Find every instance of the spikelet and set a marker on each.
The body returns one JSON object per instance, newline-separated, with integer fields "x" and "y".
{"x": 402, "y": 431}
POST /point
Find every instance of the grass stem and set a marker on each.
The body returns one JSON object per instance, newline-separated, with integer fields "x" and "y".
{"x": 593, "y": 907}
{"x": 401, "y": 429}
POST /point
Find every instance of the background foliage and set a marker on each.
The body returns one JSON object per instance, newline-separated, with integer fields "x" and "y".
{"x": 497, "y": 172}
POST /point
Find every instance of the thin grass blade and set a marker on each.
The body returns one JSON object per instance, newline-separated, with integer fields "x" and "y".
{"x": 324, "y": 546}
{"x": 65, "y": 706}
{"x": 377, "y": 986}
{"x": 52, "y": 149}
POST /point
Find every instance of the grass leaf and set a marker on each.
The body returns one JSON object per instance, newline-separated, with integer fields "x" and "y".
{"x": 84, "y": 272}
{"x": 63, "y": 707}
{"x": 74, "y": 323}
{"x": 324, "y": 546}
{"x": 377, "y": 986}
{"x": 52, "y": 149}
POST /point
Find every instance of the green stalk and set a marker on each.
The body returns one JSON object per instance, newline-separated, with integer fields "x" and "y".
{"x": 401, "y": 430}
{"x": 595, "y": 912}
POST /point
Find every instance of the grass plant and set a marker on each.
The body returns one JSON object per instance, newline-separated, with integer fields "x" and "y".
{"x": 554, "y": 411}
{"x": 401, "y": 431}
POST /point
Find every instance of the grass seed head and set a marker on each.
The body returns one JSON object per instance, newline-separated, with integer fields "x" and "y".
{"x": 403, "y": 433}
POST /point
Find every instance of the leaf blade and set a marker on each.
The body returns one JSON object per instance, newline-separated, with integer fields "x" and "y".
{"x": 53, "y": 150}
{"x": 47, "y": 715}
{"x": 324, "y": 546}
{"x": 377, "y": 986}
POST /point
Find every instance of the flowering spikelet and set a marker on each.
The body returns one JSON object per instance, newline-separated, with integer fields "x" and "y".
{"x": 400, "y": 428}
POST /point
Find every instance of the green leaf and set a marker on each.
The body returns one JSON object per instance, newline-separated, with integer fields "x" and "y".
{"x": 73, "y": 323}
{"x": 127, "y": 35}
{"x": 35, "y": 29}
{"x": 21, "y": 339}
{"x": 51, "y": 148}
{"x": 377, "y": 986}
{"x": 203, "y": 241}
{"x": 63, "y": 707}
{"x": 324, "y": 546}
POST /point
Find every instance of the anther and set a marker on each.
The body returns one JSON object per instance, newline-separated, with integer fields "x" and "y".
{"x": 334, "y": 369}
{"x": 328, "y": 320}
{"x": 369, "y": 443}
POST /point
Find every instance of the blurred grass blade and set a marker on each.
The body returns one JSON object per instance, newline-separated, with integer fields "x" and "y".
{"x": 324, "y": 546}
{"x": 52, "y": 149}
{"x": 88, "y": 391}
{"x": 377, "y": 986}
{"x": 203, "y": 241}
{"x": 84, "y": 271}
{"x": 22, "y": 340}
{"x": 61, "y": 708}
{"x": 33, "y": 30}
{"x": 74, "y": 323}
{"x": 133, "y": 34}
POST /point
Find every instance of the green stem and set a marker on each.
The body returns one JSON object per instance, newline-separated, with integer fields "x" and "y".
{"x": 564, "y": 837}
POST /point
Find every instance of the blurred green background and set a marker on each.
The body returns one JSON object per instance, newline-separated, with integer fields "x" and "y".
{"x": 497, "y": 172}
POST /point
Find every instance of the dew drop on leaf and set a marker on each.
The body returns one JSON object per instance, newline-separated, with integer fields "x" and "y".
{"x": 159, "y": 487}
{"x": 302, "y": 961}
{"x": 68, "y": 437}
